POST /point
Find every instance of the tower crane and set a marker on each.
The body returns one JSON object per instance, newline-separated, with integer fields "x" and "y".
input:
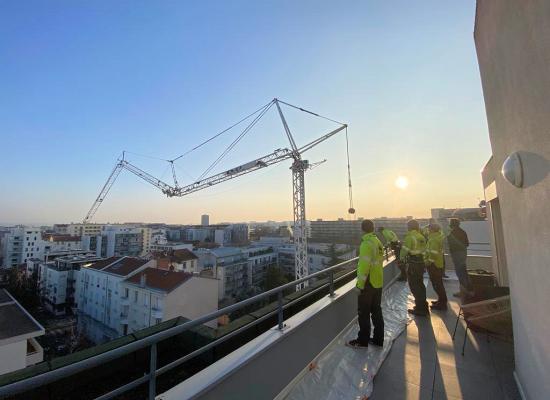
{"x": 299, "y": 167}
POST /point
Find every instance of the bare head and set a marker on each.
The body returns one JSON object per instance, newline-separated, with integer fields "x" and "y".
{"x": 413, "y": 225}
{"x": 435, "y": 227}
{"x": 367, "y": 226}
{"x": 454, "y": 222}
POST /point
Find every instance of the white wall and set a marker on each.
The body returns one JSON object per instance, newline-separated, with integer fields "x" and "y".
{"x": 513, "y": 48}
{"x": 13, "y": 356}
{"x": 196, "y": 297}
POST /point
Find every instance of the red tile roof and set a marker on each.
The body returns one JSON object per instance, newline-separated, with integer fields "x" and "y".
{"x": 160, "y": 279}
{"x": 119, "y": 265}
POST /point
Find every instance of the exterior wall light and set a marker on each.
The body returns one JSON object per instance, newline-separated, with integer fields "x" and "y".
{"x": 512, "y": 170}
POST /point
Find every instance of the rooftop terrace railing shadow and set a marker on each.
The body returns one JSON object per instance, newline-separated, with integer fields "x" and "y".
{"x": 187, "y": 345}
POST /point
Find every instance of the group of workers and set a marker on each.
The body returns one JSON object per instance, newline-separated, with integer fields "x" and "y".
{"x": 421, "y": 249}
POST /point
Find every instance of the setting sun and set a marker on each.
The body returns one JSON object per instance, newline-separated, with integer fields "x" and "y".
{"x": 402, "y": 182}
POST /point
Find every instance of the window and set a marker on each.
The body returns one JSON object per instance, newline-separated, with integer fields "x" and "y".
{"x": 158, "y": 320}
{"x": 126, "y": 292}
{"x": 135, "y": 296}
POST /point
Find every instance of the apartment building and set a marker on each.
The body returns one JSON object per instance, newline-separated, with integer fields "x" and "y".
{"x": 116, "y": 240}
{"x": 229, "y": 265}
{"x": 259, "y": 259}
{"x": 57, "y": 282}
{"x": 78, "y": 229}
{"x": 55, "y": 245}
{"x": 99, "y": 296}
{"x": 319, "y": 255}
{"x": 20, "y": 244}
{"x": 152, "y": 238}
{"x": 153, "y": 295}
{"x": 349, "y": 231}
{"x": 18, "y": 330}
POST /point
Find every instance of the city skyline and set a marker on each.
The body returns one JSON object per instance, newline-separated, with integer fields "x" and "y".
{"x": 78, "y": 93}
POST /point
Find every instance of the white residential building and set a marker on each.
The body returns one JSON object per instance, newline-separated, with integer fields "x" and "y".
{"x": 18, "y": 330}
{"x": 152, "y": 238}
{"x": 99, "y": 296}
{"x": 57, "y": 281}
{"x": 178, "y": 260}
{"x": 153, "y": 296}
{"x": 259, "y": 260}
{"x": 170, "y": 247}
{"x": 229, "y": 265}
{"x": 319, "y": 255}
{"x": 21, "y": 244}
{"x": 116, "y": 240}
{"x": 55, "y": 245}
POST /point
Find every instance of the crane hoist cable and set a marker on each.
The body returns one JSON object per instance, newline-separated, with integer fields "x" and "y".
{"x": 351, "y": 210}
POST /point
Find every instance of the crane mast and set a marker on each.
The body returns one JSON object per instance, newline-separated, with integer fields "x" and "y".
{"x": 298, "y": 168}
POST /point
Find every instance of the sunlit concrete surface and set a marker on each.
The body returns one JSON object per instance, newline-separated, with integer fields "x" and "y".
{"x": 425, "y": 363}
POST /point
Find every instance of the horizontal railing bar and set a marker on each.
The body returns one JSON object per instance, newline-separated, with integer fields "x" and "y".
{"x": 251, "y": 324}
{"x": 122, "y": 389}
{"x": 56, "y": 374}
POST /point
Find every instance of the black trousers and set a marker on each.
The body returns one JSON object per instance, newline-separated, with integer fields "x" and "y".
{"x": 436, "y": 277}
{"x": 369, "y": 306}
{"x": 415, "y": 273}
{"x": 396, "y": 247}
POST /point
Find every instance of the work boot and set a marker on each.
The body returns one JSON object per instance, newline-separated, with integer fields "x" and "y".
{"x": 356, "y": 344}
{"x": 378, "y": 343}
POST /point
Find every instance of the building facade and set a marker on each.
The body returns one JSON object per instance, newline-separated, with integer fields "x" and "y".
{"x": 513, "y": 52}
{"x": 57, "y": 282}
{"x": 230, "y": 266}
{"x": 259, "y": 258}
{"x": 154, "y": 296}
{"x": 99, "y": 297}
{"x": 20, "y": 244}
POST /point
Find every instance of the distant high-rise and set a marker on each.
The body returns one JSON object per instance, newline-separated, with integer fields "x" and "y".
{"x": 205, "y": 220}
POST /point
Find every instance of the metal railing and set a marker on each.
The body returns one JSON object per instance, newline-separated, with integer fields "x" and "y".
{"x": 151, "y": 341}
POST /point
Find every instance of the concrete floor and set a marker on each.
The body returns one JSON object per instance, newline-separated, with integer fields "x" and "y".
{"x": 424, "y": 363}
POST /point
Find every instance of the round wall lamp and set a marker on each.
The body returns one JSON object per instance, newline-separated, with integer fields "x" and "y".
{"x": 512, "y": 170}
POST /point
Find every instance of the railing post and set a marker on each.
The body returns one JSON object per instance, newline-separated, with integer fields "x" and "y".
{"x": 280, "y": 309}
{"x": 331, "y": 283}
{"x": 153, "y": 372}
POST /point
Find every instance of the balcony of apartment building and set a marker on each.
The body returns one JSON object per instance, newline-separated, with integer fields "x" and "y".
{"x": 35, "y": 352}
{"x": 290, "y": 348}
{"x": 157, "y": 312}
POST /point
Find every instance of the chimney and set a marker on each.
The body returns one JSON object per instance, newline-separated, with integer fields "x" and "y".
{"x": 142, "y": 280}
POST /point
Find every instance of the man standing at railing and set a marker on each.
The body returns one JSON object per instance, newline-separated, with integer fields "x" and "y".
{"x": 392, "y": 241}
{"x": 434, "y": 264}
{"x": 370, "y": 279}
{"x": 412, "y": 253}
{"x": 458, "y": 247}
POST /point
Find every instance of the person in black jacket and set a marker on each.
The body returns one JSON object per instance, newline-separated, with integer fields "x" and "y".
{"x": 458, "y": 245}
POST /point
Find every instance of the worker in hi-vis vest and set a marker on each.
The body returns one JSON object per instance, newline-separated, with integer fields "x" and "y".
{"x": 412, "y": 253}
{"x": 392, "y": 241}
{"x": 370, "y": 279}
{"x": 434, "y": 260}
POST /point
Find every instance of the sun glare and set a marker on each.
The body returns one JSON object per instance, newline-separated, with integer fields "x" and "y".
{"x": 402, "y": 182}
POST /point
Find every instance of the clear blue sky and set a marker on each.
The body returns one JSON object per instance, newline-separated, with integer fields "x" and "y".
{"x": 80, "y": 81}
